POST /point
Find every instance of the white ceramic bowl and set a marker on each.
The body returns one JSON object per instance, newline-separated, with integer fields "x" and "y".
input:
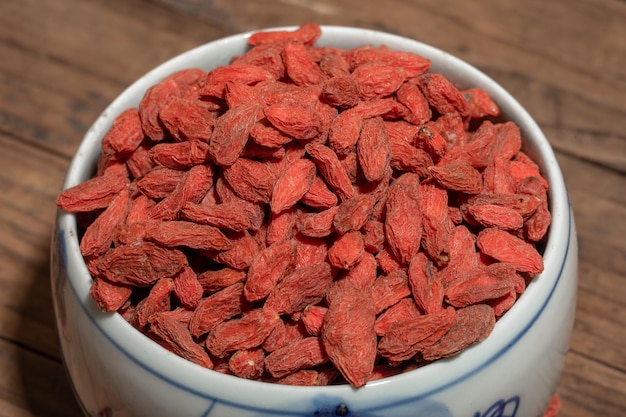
{"x": 117, "y": 371}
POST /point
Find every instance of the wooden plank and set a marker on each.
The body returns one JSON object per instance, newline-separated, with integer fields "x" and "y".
{"x": 599, "y": 329}
{"x": 10, "y": 409}
{"x": 591, "y": 389}
{"x": 598, "y": 218}
{"x": 498, "y": 36}
{"x": 600, "y": 223}
{"x": 606, "y": 148}
{"x": 115, "y": 44}
{"x": 50, "y": 119}
{"x": 52, "y": 86}
{"x": 29, "y": 182}
{"x": 574, "y": 122}
{"x": 33, "y": 385}
{"x": 598, "y": 281}
{"x": 585, "y": 179}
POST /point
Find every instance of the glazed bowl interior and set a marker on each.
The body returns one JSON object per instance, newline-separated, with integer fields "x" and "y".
{"x": 424, "y": 381}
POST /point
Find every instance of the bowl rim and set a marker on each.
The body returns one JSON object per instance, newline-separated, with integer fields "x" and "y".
{"x": 508, "y": 329}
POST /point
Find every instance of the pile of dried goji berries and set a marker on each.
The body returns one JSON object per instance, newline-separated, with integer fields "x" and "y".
{"x": 309, "y": 215}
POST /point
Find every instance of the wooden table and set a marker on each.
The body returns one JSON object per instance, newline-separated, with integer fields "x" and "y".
{"x": 63, "y": 61}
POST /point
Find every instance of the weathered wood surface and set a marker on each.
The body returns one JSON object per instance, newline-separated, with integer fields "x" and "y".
{"x": 62, "y": 61}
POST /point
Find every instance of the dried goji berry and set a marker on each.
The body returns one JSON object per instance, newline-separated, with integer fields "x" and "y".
{"x": 294, "y": 119}
{"x": 141, "y": 264}
{"x": 251, "y": 179}
{"x": 93, "y": 194}
{"x": 348, "y": 334}
{"x": 458, "y": 177}
{"x": 301, "y": 354}
{"x": 313, "y": 319}
{"x": 246, "y": 332}
{"x": 319, "y": 196}
{"x": 480, "y": 104}
{"x": 406, "y": 157}
{"x": 477, "y": 286}
{"x": 125, "y": 134}
{"x": 333, "y": 62}
{"x": 387, "y": 261}
{"x": 304, "y": 377}
{"x": 187, "y": 288}
{"x": 491, "y": 215}
{"x": 405, "y": 338}
{"x": 389, "y": 289}
{"x": 430, "y": 140}
{"x": 282, "y": 226}
{"x": 387, "y": 108}
{"x": 159, "y": 182}
{"x": 538, "y": 223}
{"x": 264, "y": 134}
{"x": 226, "y": 194}
{"x": 331, "y": 170}
{"x": 318, "y": 224}
{"x": 217, "y": 308}
{"x": 216, "y": 279}
{"x": 344, "y": 132}
{"x": 426, "y": 287}
{"x": 175, "y": 337}
{"x": 347, "y": 250}
{"x": 341, "y": 90}
{"x": 157, "y": 300}
{"x": 307, "y": 34}
{"x": 462, "y": 257}
{"x": 100, "y": 233}
{"x": 471, "y": 325}
{"x": 237, "y": 94}
{"x": 305, "y": 285}
{"x": 247, "y": 363}
{"x": 410, "y": 95}
{"x": 231, "y": 133}
{"x": 240, "y": 255}
{"x": 139, "y": 162}
{"x": 188, "y": 119}
{"x": 373, "y": 149}
{"x": 363, "y": 274}
{"x": 192, "y": 187}
{"x": 294, "y": 182}
{"x": 268, "y": 267}
{"x": 373, "y": 235}
{"x": 377, "y": 79}
{"x": 353, "y": 213}
{"x": 189, "y": 234}
{"x": 411, "y": 64}
{"x": 402, "y": 310}
{"x": 180, "y": 155}
{"x": 436, "y": 222}
{"x": 151, "y": 103}
{"x": 310, "y": 250}
{"x": 506, "y": 247}
{"x": 229, "y": 216}
{"x": 299, "y": 66}
{"x": 108, "y": 296}
{"x": 443, "y": 95}
{"x": 403, "y": 221}
{"x": 217, "y": 78}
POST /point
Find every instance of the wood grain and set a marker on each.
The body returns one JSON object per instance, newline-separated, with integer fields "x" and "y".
{"x": 63, "y": 61}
